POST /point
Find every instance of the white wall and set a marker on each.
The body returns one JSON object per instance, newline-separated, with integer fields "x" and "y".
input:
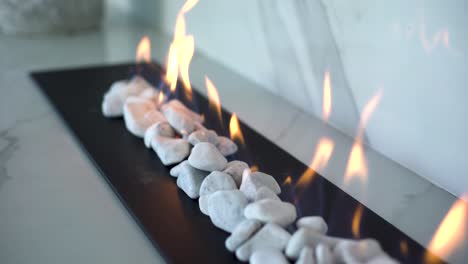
{"x": 422, "y": 120}
{"x": 287, "y": 45}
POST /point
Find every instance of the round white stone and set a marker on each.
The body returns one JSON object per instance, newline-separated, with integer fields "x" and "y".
{"x": 315, "y": 223}
{"x": 203, "y": 135}
{"x": 179, "y": 120}
{"x": 116, "y": 96}
{"x": 269, "y": 236}
{"x": 242, "y": 233}
{"x": 306, "y": 237}
{"x": 271, "y": 211}
{"x": 171, "y": 150}
{"x": 324, "y": 255}
{"x": 190, "y": 180}
{"x": 357, "y": 250}
{"x": 175, "y": 171}
{"x": 180, "y": 107}
{"x": 205, "y": 156}
{"x": 140, "y": 114}
{"x": 226, "y": 146}
{"x": 266, "y": 193}
{"x": 235, "y": 168}
{"x": 306, "y": 256}
{"x": 161, "y": 129}
{"x": 226, "y": 209}
{"x": 252, "y": 181}
{"x": 268, "y": 255}
{"x": 216, "y": 181}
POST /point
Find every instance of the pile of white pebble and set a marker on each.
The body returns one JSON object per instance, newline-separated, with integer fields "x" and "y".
{"x": 238, "y": 201}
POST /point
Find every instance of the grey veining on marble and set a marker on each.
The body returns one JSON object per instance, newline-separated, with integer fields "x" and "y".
{"x": 301, "y": 49}
{"x": 8, "y": 145}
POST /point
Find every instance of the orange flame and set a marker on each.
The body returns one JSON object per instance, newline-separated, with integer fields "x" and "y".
{"x": 357, "y": 165}
{"x": 287, "y": 181}
{"x": 450, "y": 232}
{"x": 356, "y": 223}
{"x": 160, "y": 97}
{"x": 404, "y": 248}
{"x": 143, "y": 53}
{"x": 213, "y": 98}
{"x": 253, "y": 168}
{"x": 181, "y": 52}
{"x": 320, "y": 160}
{"x": 327, "y": 104}
{"x": 234, "y": 130}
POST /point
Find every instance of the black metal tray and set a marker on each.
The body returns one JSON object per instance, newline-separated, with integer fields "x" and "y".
{"x": 172, "y": 221}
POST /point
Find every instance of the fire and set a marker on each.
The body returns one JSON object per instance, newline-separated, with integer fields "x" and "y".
{"x": 213, "y": 97}
{"x": 450, "y": 232}
{"x": 357, "y": 165}
{"x": 253, "y": 168}
{"x": 327, "y": 104}
{"x": 287, "y": 181}
{"x": 404, "y": 247}
{"x": 143, "y": 53}
{"x": 160, "y": 98}
{"x": 181, "y": 52}
{"x": 234, "y": 130}
{"x": 320, "y": 160}
{"x": 356, "y": 223}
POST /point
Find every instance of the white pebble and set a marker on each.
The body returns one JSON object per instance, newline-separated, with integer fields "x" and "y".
{"x": 151, "y": 94}
{"x": 324, "y": 255}
{"x": 315, "y": 223}
{"x": 115, "y": 97}
{"x": 175, "y": 171}
{"x": 382, "y": 259}
{"x": 179, "y": 106}
{"x": 271, "y": 211}
{"x": 268, "y": 255}
{"x": 306, "y": 237}
{"x": 180, "y": 121}
{"x": 226, "y": 209}
{"x": 266, "y": 193}
{"x": 357, "y": 250}
{"x": 190, "y": 180}
{"x": 252, "y": 181}
{"x": 171, "y": 150}
{"x": 226, "y": 146}
{"x": 203, "y": 135}
{"x": 206, "y": 157}
{"x": 140, "y": 114}
{"x": 203, "y": 204}
{"x": 241, "y": 233}
{"x": 306, "y": 256}
{"x": 215, "y": 181}
{"x": 235, "y": 168}
{"x": 269, "y": 236}
{"x": 161, "y": 129}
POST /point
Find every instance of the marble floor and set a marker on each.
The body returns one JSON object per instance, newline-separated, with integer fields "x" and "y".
{"x": 56, "y": 212}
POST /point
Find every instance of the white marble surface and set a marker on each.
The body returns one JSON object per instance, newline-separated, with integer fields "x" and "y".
{"x": 56, "y": 212}
{"x": 414, "y": 52}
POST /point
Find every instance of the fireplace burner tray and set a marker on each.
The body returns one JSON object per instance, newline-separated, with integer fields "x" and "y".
{"x": 171, "y": 220}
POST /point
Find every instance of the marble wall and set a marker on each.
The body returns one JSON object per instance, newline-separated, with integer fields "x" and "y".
{"x": 413, "y": 51}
